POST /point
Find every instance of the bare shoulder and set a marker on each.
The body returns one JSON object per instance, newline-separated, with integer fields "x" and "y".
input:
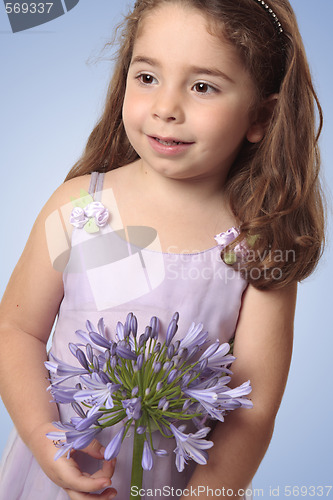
{"x": 35, "y": 289}
{"x": 66, "y": 192}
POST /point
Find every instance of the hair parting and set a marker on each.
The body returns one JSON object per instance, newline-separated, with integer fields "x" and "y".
{"x": 273, "y": 187}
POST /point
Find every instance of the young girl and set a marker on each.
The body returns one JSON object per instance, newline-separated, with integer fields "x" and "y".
{"x": 208, "y": 130}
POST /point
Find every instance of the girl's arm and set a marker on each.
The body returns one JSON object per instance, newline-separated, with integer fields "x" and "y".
{"x": 27, "y": 313}
{"x": 263, "y": 347}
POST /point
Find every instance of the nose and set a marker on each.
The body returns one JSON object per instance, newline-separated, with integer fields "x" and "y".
{"x": 168, "y": 106}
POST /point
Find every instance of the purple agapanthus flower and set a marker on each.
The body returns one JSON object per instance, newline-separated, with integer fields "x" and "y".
{"x": 217, "y": 356}
{"x": 62, "y": 394}
{"x": 132, "y": 407}
{"x": 191, "y": 446}
{"x": 87, "y": 420}
{"x": 143, "y": 383}
{"x": 217, "y": 399}
{"x": 98, "y": 393}
{"x": 62, "y": 371}
{"x": 69, "y": 438}
{"x": 113, "y": 448}
{"x": 147, "y": 457}
{"x": 195, "y": 336}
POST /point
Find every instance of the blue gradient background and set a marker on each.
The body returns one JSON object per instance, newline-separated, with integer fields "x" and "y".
{"x": 52, "y": 87}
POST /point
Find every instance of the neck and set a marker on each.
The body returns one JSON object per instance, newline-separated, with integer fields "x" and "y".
{"x": 194, "y": 191}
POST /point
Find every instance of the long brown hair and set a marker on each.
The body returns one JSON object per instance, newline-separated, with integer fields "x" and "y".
{"x": 273, "y": 186}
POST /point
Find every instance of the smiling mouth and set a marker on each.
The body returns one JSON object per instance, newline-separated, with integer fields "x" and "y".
{"x": 170, "y": 142}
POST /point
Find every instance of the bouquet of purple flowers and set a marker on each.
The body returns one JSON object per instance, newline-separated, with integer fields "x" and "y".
{"x": 147, "y": 385}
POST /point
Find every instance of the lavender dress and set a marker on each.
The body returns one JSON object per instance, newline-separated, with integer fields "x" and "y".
{"x": 109, "y": 277}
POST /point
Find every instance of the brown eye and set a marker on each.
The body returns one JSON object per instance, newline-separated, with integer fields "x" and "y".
{"x": 204, "y": 88}
{"x": 201, "y": 87}
{"x": 146, "y": 79}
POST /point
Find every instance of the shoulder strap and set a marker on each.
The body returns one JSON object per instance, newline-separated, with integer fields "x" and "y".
{"x": 96, "y": 185}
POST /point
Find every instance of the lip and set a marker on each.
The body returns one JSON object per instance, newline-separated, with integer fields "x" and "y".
{"x": 177, "y": 147}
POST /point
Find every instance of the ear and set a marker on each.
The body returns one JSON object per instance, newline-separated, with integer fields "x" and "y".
{"x": 263, "y": 116}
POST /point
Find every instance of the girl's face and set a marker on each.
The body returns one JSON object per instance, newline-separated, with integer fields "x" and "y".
{"x": 188, "y": 97}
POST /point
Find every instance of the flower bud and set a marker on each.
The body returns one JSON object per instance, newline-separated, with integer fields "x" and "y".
{"x": 82, "y": 359}
{"x": 176, "y": 344}
{"x": 104, "y": 378}
{"x": 165, "y": 406}
{"x": 157, "y": 367}
{"x": 176, "y": 316}
{"x": 161, "y": 402}
{"x": 186, "y": 405}
{"x": 159, "y": 386}
{"x": 127, "y": 326}
{"x": 167, "y": 365}
{"x": 147, "y": 333}
{"x": 157, "y": 348}
{"x": 186, "y": 378}
{"x": 171, "y": 331}
{"x": 134, "y": 325}
{"x": 77, "y": 408}
{"x": 113, "y": 362}
{"x": 139, "y": 361}
{"x": 155, "y": 326}
{"x": 170, "y": 351}
{"x": 142, "y": 340}
{"x": 172, "y": 375}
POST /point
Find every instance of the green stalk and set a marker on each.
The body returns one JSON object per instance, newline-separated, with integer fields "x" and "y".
{"x": 137, "y": 471}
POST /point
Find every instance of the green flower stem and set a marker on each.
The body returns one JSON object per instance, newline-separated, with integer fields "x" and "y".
{"x": 137, "y": 471}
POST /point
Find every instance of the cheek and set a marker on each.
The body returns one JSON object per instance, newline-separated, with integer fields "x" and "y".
{"x": 133, "y": 112}
{"x": 230, "y": 124}
{"x": 126, "y": 110}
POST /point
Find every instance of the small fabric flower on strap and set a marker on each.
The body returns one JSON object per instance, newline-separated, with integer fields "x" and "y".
{"x": 88, "y": 214}
{"x": 78, "y": 218}
{"x": 239, "y": 252}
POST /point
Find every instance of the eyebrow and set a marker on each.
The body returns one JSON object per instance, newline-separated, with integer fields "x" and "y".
{"x": 197, "y": 70}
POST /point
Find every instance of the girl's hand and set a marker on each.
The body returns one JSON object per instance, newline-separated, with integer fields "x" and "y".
{"x": 103, "y": 475}
{"x": 66, "y": 473}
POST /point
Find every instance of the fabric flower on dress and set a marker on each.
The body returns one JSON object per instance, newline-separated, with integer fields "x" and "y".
{"x": 239, "y": 252}
{"x": 97, "y": 210}
{"x": 88, "y": 214}
{"x": 224, "y": 239}
{"x": 78, "y": 217}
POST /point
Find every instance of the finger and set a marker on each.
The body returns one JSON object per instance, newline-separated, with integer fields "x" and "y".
{"x": 74, "y": 479}
{"x": 95, "y": 449}
{"x": 105, "y": 495}
{"x": 107, "y": 469}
